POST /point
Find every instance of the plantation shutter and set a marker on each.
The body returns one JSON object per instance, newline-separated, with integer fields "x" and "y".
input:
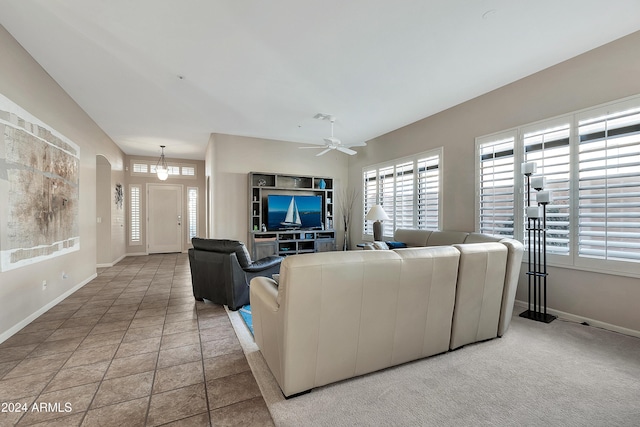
{"x": 609, "y": 186}
{"x": 550, "y": 150}
{"x": 192, "y": 206}
{"x": 370, "y": 191}
{"x": 134, "y": 219}
{"x": 404, "y": 196}
{"x": 428, "y": 184}
{"x": 496, "y": 187}
{"x": 387, "y": 198}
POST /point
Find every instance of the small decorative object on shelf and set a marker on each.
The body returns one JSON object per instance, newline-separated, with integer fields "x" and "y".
{"x": 262, "y": 182}
{"x": 537, "y": 246}
{"x": 322, "y": 184}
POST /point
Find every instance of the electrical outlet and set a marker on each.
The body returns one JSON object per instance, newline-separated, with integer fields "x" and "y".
{"x": 44, "y": 284}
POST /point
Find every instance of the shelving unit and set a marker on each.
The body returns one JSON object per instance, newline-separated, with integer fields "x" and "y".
{"x": 288, "y": 242}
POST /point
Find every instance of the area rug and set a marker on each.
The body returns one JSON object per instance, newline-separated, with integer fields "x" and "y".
{"x": 245, "y": 313}
{"x": 561, "y": 373}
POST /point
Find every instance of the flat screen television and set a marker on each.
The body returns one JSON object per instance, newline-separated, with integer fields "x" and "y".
{"x": 293, "y": 211}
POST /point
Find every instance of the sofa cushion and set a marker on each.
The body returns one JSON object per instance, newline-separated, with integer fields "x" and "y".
{"x": 412, "y": 237}
{"x": 444, "y": 238}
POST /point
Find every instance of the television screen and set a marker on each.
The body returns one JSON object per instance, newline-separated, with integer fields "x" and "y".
{"x": 290, "y": 211}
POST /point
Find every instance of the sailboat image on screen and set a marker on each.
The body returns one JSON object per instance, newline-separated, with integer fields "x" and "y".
{"x": 292, "y": 219}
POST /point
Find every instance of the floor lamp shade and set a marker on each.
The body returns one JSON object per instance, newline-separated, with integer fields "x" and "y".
{"x": 377, "y": 214}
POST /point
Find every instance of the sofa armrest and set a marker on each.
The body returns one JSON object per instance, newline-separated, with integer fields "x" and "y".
{"x": 263, "y": 264}
{"x": 265, "y": 290}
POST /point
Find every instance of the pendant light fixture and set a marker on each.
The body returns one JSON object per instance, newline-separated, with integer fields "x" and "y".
{"x": 161, "y": 167}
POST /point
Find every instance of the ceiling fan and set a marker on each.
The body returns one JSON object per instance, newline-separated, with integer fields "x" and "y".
{"x": 333, "y": 143}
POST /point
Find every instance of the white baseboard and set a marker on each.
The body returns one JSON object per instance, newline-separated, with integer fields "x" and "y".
{"x": 18, "y": 326}
{"x": 580, "y": 319}
{"x": 111, "y": 264}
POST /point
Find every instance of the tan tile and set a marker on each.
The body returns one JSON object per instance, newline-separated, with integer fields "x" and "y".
{"x": 121, "y": 389}
{"x": 60, "y": 403}
{"x": 225, "y": 365}
{"x": 147, "y": 321}
{"x": 21, "y": 339}
{"x": 179, "y": 340}
{"x": 37, "y": 365}
{"x": 68, "y": 421}
{"x": 252, "y": 412}
{"x": 180, "y": 326}
{"x": 77, "y": 331}
{"x": 180, "y": 308}
{"x": 76, "y": 321}
{"x": 200, "y": 420}
{"x": 60, "y": 346}
{"x": 91, "y": 355}
{"x": 125, "y": 308}
{"x": 232, "y": 389}
{"x": 8, "y": 354}
{"x": 97, "y": 340}
{"x": 148, "y": 345}
{"x": 177, "y": 404}
{"x": 9, "y": 416}
{"x": 79, "y": 375}
{"x": 117, "y": 317}
{"x": 104, "y": 327}
{"x": 219, "y": 347}
{"x": 179, "y": 355}
{"x": 136, "y": 364}
{"x": 137, "y": 334}
{"x": 151, "y": 312}
{"x": 213, "y": 322}
{"x": 42, "y": 325}
{"x": 30, "y": 385}
{"x": 131, "y": 413}
{"x": 213, "y": 334}
{"x": 178, "y": 376}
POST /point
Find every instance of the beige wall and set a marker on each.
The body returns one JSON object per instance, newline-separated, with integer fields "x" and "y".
{"x": 186, "y": 182}
{"x": 604, "y": 74}
{"x": 21, "y": 294}
{"x": 233, "y": 157}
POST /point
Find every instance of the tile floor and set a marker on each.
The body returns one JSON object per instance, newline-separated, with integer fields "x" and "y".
{"x": 130, "y": 348}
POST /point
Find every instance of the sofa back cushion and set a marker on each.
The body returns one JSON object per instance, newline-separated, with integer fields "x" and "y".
{"x": 481, "y": 279}
{"x": 442, "y": 238}
{"x": 350, "y": 313}
{"x": 412, "y": 237}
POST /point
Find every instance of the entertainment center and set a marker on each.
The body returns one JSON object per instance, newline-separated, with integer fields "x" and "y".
{"x": 290, "y": 214}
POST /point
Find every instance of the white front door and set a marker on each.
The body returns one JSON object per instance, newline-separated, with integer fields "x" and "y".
{"x": 164, "y": 216}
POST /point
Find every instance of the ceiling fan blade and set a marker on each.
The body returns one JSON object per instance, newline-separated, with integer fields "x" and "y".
{"x": 347, "y": 150}
{"x": 326, "y": 150}
{"x": 357, "y": 144}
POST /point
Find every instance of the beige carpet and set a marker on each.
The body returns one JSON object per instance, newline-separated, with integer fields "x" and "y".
{"x": 558, "y": 374}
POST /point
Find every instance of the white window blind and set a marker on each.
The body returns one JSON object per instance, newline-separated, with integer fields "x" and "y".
{"x": 140, "y": 168}
{"x": 134, "y": 219}
{"x": 407, "y": 189}
{"x": 192, "y": 209}
{"x": 428, "y": 184}
{"x": 550, "y": 150}
{"x": 370, "y": 192}
{"x": 496, "y": 186}
{"x": 609, "y": 187}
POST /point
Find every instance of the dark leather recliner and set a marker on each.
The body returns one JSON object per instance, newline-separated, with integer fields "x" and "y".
{"x": 222, "y": 269}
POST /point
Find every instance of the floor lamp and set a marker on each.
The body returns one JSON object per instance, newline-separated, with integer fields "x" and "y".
{"x": 377, "y": 214}
{"x": 537, "y": 246}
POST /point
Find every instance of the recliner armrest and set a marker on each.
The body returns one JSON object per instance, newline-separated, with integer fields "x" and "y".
{"x": 264, "y": 263}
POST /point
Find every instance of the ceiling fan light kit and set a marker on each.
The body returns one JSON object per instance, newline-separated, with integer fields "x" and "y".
{"x": 332, "y": 143}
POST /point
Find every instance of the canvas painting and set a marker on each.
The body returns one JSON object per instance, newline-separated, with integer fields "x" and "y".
{"x": 39, "y": 189}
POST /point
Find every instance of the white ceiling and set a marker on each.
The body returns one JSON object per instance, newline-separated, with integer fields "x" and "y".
{"x": 171, "y": 72}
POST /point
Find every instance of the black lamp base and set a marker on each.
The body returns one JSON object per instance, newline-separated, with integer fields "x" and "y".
{"x": 538, "y": 317}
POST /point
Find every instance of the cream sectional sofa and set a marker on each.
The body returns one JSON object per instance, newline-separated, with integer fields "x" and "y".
{"x": 336, "y": 315}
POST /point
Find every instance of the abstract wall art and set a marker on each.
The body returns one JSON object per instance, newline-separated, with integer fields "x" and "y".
{"x": 39, "y": 189}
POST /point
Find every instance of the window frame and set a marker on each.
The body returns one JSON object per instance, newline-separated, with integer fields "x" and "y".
{"x": 573, "y": 260}
{"x": 374, "y": 171}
